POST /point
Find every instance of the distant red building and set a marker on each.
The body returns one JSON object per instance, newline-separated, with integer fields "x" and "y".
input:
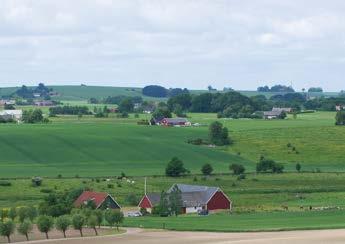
{"x": 174, "y": 122}
{"x": 101, "y": 200}
{"x": 194, "y": 199}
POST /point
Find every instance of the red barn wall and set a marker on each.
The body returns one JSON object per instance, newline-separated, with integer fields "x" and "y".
{"x": 218, "y": 201}
{"x": 145, "y": 203}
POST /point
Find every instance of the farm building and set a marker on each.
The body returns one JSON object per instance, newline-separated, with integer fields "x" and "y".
{"x": 101, "y": 200}
{"x": 44, "y": 103}
{"x": 272, "y": 114}
{"x": 175, "y": 122}
{"x": 286, "y": 110}
{"x": 7, "y": 102}
{"x": 11, "y": 115}
{"x": 194, "y": 198}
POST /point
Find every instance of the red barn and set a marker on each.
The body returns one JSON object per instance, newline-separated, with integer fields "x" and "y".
{"x": 194, "y": 199}
{"x": 101, "y": 200}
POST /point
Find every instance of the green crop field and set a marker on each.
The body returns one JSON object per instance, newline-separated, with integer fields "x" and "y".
{"x": 100, "y": 147}
{"x": 245, "y": 222}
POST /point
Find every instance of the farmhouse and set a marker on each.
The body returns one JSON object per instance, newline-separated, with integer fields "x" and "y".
{"x": 101, "y": 200}
{"x": 11, "y": 115}
{"x": 194, "y": 198}
{"x": 175, "y": 122}
{"x": 43, "y": 103}
{"x": 286, "y": 110}
{"x": 272, "y": 114}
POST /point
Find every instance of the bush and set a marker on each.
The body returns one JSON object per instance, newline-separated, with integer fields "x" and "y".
{"x": 237, "y": 169}
{"x": 132, "y": 199}
{"x": 207, "y": 169}
{"x": 36, "y": 181}
{"x": 5, "y": 183}
{"x": 46, "y": 190}
{"x": 267, "y": 165}
{"x": 241, "y": 177}
{"x": 110, "y": 186}
{"x": 175, "y": 168}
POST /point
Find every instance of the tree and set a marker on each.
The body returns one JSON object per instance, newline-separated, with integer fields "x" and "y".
{"x": 298, "y": 167}
{"x": 7, "y": 229}
{"x": 267, "y": 165}
{"x": 175, "y": 201}
{"x": 126, "y": 105}
{"x": 45, "y": 224}
{"x": 27, "y": 213}
{"x": 3, "y": 214}
{"x": 25, "y": 228}
{"x": 207, "y": 169}
{"x": 175, "y": 168}
{"x": 78, "y": 221}
{"x": 155, "y": 91}
{"x": 237, "y": 169}
{"x": 100, "y": 216}
{"x": 163, "y": 207}
{"x": 12, "y": 213}
{"x": 218, "y": 134}
{"x": 62, "y": 224}
{"x": 340, "y": 117}
{"x": 114, "y": 216}
{"x": 92, "y": 222}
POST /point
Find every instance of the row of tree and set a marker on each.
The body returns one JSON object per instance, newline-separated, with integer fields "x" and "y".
{"x": 45, "y": 223}
{"x": 160, "y": 91}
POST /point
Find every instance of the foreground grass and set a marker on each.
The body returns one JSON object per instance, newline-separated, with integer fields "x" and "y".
{"x": 225, "y": 222}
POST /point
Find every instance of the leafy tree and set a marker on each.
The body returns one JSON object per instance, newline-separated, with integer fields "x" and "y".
{"x": 161, "y": 112}
{"x": 298, "y": 167}
{"x": 62, "y": 224}
{"x": 25, "y": 228}
{"x": 114, "y": 217}
{"x": 29, "y": 212}
{"x": 9, "y": 107}
{"x": 3, "y": 214}
{"x": 175, "y": 168}
{"x": 218, "y": 134}
{"x": 92, "y": 222}
{"x": 78, "y": 221}
{"x": 7, "y": 229}
{"x": 315, "y": 89}
{"x": 33, "y": 116}
{"x": 267, "y": 165}
{"x": 45, "y": 224}
{"x": 340, "y": 118}
{"x": 175, "y": 201}
{"x": 207, "y": 169}
{"x": 100, "y": 216}
{"x": 12, "y": 213}
{"x": 163, "y": 207}
{"x": 184, "y": 100}
{"x": 126, "y": 105}
{"x": 154, "y": 91}
{"x": 132, "y": 199}
{"x": 237, "y": 169}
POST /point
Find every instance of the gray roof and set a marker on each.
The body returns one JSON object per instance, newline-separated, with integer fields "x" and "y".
{"x": 192, "y": 195}
{"x": 176, "y": 120}
{"x": 272, "y": 113}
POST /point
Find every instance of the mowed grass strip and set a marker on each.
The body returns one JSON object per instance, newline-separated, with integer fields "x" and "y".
{"x": 225, "y": 222}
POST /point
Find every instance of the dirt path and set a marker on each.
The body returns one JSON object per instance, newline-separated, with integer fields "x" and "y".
{"x": 136, "y": 236}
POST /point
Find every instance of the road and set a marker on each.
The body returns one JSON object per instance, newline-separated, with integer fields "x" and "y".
{"x": 137, "y": 236}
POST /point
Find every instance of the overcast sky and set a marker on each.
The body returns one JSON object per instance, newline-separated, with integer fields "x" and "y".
{"x": 176, "y": 43}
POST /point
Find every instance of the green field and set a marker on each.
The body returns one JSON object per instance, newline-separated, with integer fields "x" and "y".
{"x": 258, "y": 193}
{"x": 106, "y": 147}
{"x": 274, "y": 221}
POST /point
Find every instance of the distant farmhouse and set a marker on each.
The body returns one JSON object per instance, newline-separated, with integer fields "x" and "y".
{"x": 7, "y": 102}
{"x": 339, "y": 107}
{"x": 101, "y": 200}
{"x": 44, "y": 103}
{"x": 277, "y": 113}
{"x": 15, "y": 115}
{"x": 172, "y": 122}
{"x": 194, "y": 199}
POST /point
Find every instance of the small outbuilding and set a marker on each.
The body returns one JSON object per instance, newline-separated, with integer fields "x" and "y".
{"x": 175, "y": 122}
{"x": 102, "y": 200}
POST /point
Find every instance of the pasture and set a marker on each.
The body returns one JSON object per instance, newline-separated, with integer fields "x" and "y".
{"x": 106, "y": 147}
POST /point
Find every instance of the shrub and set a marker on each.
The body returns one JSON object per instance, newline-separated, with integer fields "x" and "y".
{"x": 175, "y": 168}
{"x": 36, "y": 181}
{"x": 298, "y": 167}
{"x": 110, "y": 186}
{"x": 114, "y": 217}
{"x": 132, "y": 199}
{"x": 5, "y": 183}
{"x": 207, "y": 169}
{"x": 241, "y": 177}
{"x": 46, "y": 190}
{"x": 267, "y": 165}
{"x": 237, "y": 169}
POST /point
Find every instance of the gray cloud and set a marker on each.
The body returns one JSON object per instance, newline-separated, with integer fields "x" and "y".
{"x": 180, "y": 43}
